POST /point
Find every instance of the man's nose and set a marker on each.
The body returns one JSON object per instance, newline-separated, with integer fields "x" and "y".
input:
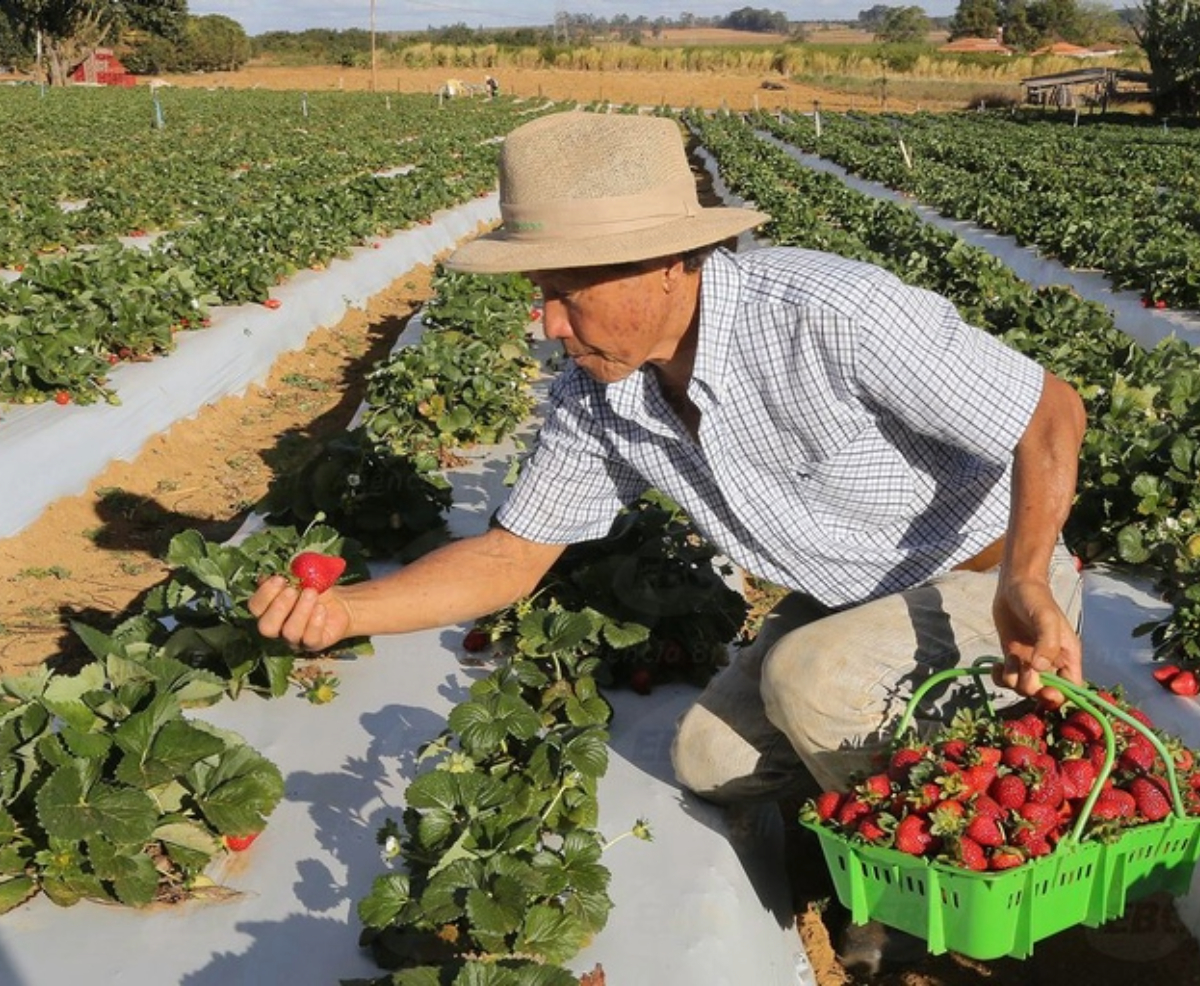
{"x": 554, "y": 320}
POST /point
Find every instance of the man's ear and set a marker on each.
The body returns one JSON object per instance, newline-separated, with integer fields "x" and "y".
{"x": 673, "y": 274}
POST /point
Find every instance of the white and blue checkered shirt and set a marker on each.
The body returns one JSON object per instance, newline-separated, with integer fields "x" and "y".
{"x": 855, "y": 438}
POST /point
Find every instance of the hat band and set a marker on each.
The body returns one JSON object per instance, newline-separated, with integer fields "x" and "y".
{"x": 588, "y": 218}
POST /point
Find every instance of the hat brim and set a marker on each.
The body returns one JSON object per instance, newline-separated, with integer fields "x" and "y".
{"x": 497, "y": 253}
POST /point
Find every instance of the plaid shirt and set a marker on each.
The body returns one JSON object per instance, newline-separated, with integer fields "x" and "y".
{"x": 855, "y": 438}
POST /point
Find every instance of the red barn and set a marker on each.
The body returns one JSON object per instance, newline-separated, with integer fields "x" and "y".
{"x": 102, "y": 68}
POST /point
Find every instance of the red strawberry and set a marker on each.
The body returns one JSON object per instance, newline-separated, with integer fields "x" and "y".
{"x": 1138, "y": 756}
{"x": 1160, "y": 303}
{"x": 1008, "y": 791}
{"x": 1164, "y": 673}
{"x": 970, "y": 854}
{"x": 1078, "y": 776}
{"x": 1081, "y": 727}
{"x": 870, "y": 827}
{"x": 1150, "y": 794}
{"x": 475, "y": 640}
{"x": 914, "y": 836}
{"x": 824, "y": 807}
{"x": 238, "y": 843}
{"x": 641, "y": 681}
{"x": 62, "y": 397}
{"x": 876, "y": 788}
{"x": 1185, "y": 683}
{"x": 1005, "y": 858}
{"x": 902, "y": 762}
{"x": 272, "y": 303}
{"x": 317, "y": 571}
{"x": 1113, "y": 803}
{"x": 535, "y": 314}
{"x": 851, "y": 810}
{"x": 985, "y": 830}
{"x": 1018, "y": 756}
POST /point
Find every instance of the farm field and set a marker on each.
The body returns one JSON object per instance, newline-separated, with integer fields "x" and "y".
{"x": 96, "y": 553}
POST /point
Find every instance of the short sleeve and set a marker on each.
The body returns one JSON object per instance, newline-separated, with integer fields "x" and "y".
{"x": 573, "y": 486}
{"x": 917, "y": 358}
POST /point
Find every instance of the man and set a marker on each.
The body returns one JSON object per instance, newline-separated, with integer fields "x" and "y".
{"x": 826, "y": 426}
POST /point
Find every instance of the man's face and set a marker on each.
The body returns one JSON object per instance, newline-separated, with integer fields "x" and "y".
{"x": 610, "y": 321}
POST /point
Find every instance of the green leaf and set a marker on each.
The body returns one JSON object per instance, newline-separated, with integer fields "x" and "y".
{"x": 70, "y": 810}
{"x": 388, "y": 896}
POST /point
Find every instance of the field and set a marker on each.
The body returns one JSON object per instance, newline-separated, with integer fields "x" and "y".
{"x": 98, "y": 553}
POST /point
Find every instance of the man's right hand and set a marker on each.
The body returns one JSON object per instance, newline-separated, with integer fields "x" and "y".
{"x": 307, "y": 620}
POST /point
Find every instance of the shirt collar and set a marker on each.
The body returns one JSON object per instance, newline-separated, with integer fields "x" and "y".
{"x": 720, "y": 293}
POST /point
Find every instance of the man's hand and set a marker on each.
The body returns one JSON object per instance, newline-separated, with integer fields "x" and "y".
{"x": 1035, "y": 636}
{"x": 306, "y": 619}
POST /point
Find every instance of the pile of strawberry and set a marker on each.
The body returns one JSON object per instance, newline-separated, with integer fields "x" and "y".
{"x": 989, "y": 792}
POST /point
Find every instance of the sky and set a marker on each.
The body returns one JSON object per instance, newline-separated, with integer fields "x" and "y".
{"x": 258, "y": 16}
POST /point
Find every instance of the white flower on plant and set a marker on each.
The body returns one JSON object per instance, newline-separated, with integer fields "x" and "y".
{"x": 353, "y": 480}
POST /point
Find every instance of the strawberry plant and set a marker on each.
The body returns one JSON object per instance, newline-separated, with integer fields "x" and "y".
{"x": 109, "y": 793}
{"x": 649, "y": 600}
{"x": 384, "y": 501}
{"x": 502, "y": 877}
{"x": 200, "y": 614}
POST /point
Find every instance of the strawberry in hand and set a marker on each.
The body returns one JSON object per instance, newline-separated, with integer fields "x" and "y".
{"x": 317, "y": 571}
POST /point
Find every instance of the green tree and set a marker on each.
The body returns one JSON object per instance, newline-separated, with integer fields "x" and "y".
{"x": 215, "y": 43}
{"x": 975, "y": 19}
{"x": 1056, "y": 20}
{"x": 69, "y": 29}
{"x": 1170, "y": 36}
{"x": 903, "y": 25}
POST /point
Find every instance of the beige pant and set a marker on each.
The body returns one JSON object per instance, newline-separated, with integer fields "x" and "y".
{"x": 816, "y": 697}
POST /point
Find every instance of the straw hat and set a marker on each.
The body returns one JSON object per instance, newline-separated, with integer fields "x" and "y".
{"x": 581, "y": 189}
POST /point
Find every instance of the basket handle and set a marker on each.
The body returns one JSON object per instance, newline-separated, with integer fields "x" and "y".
{"x": 1089, "y": 701}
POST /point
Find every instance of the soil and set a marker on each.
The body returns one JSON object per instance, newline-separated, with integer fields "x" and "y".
{"x": 93, "y": 556}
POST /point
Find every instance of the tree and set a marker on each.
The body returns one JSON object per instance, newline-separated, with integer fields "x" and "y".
{"x": 872, "y": 19}
{"x": 975, "y": 19}
{"x": 70, "y": 29}
{"x": 1170, "y": 36}
{"x": 903, "y": 25}
{"x": 1056, "y": 20}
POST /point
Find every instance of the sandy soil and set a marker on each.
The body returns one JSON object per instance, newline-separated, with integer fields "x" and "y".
{"x": 92, "y": 556}
{"x": 680, "y": 89}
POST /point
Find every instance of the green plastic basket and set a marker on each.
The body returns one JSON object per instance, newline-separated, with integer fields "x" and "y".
{"x": 989, "y": 915}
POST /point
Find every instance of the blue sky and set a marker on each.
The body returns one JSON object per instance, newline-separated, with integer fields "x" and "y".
{"x": 257, "y": 16}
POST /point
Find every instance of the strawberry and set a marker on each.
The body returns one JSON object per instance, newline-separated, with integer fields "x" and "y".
{"x": 1138, "y": 755}
{"x": 1081, "y": 727}
{"x": 272, "y": 303}
{"x": 317, "y": 571}
{"x": 641, "y": 681}
{"x": 902, "y": 762}
{"x": 851, "y": 810}
{"x": 1005, "y": 858}
{"x": 914, "y": 835}
{"x": 985, "y": 830}
{"x": 238, "y": 843}
{"x": 62, "y": 397}
{"x": 876, "y": 789}
{"x": 1165, "y": 672}
{"x": 970, "y": 854}
{"x": 871, "y": 828}
{"x": 1008, "y": 791}
{"x": 1150, "y": 794}
{"x": 1018, "y": 756}
{"x": 535, "y": 314}
{"x": 823, "y": 808}
{"x": 475, "y": 640}
{"x": 1185, "y": 683}
{"x": 1078, "y": 776}
{"x": 1113, "y": 804}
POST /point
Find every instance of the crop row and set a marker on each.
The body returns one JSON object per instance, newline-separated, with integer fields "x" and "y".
{"x": 1119, "y": 198}
{"x": 235, "y": 194}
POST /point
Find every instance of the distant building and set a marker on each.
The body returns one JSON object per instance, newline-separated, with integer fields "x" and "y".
{"x": 102, "y": 68}
{"x": 977, "y": 46}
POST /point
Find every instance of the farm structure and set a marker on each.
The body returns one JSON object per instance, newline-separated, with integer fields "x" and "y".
{"x": 102, "y": 68}
{"x": 1092, "y": 87}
